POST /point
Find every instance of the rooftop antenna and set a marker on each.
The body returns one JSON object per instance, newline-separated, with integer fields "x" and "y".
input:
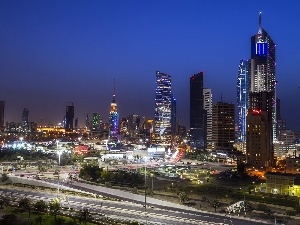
{"x": 114, "y": 94}
{"x": 259, "y": 24}
{"x": 221, "y": 97}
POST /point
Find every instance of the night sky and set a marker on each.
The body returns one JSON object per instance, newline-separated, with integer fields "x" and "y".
{"x": 54, "y": 52}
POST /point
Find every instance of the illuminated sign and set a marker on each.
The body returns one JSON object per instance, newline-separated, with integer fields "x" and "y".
{"x": 261, "y": 49}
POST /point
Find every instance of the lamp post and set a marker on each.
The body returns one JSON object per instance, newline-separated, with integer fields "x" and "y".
{"x": 152, "y": 181}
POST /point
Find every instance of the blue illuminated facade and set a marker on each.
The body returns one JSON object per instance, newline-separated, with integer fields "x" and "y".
{"x": 113, "y": 121}
{"x": 262, "y": 69}
{"x": 242, "y": 98}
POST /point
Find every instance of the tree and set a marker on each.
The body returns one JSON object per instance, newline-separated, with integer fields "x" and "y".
{"x": 182, "y": 196}
{"x": 84, "y": 215}
{"x": 4, "y": 177}
{"x": 54, "y": 207}
{"x": 265, "y": 209}
{"x": 25, "y": 205}
{"x": 215, "y": 204}
{"x": 4, "y": 201}
{"x": 40, "y": 206}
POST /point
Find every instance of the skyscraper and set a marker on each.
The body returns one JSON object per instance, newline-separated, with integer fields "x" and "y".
{"x": 223, "y": 133}
{"x": 2, "y": 106}
{"x": 262, "y": 68}
{"x": 163, "y": 107}
{"x": 242, "y": 98}
{"x": 173, "y": 117}
{"x": 25, "y": 116}
{"x": 113, "y": 120}
{"x": 197, "y": 112}
{"x": 259, "y": 150}
{"x": 208, "y": 108}
{"x": 69, "y": 119}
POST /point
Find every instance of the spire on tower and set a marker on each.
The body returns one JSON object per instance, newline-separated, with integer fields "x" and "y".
{"x": 259, "y": 24}
{"x": 114, "y": 92}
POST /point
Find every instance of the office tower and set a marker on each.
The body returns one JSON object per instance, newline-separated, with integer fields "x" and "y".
{"x": 262, "y": 68}
{"x": 197, "y": 112}
{"x": 2, "y": 106}
{"x": 133, "y": 124}
{"x": 259, "y": 147}
{"x": 260, "y": 117}
{"x": 87, "y": 121}
{"x": 281, "y": 123}
{"x": 173, "y": 117}
{"x": 113, "y": 120}
{"x": 208, "y": 108}
{"x": 223, "y": 133}
{"x": 97, "y": 122}
{"x": 242, "y": 99}
{"x": 69, "y": 118}
{"x": 25, "y": 116}
{"x": 76, "y": 123}
{"x": 163, "y": 106}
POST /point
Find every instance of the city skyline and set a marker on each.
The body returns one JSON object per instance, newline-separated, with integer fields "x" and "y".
{"x": 55, "y": 52}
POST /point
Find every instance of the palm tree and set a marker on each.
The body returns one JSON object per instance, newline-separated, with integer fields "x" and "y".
{"x": 54, "y": 207}
{"x": 84, "y": 215}
{"x": 25, "y": 205}
{"x": 4, "y": 201}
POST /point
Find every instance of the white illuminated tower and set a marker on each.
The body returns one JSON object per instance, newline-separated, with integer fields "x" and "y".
{"x": 208, "y": 107}
{"x": 262, "y": 68}
{"x": 163, "y": 109}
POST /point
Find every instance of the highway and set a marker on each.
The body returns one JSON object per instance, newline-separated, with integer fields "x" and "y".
{"x": 133, "y": 211}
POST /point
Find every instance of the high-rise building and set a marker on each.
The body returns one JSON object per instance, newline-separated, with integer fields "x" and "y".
{"x": 97, "y": 122}
{"x": 223, "y": 132}
{"x": 260, "y": 123}
{"x": 133, "y": 124}
{"x": 242, "y": 99}
{"x": 197, "y": 112}
{"x": 173, "y": 117}
{"x": 259, "y": 147}
{"x": 208, "y": 108}
{"x": 113, "y": 121}
{"x": 25, "y": 116}
{"x": 2, "y": 106}
{"x": 69, "y": 119}
{"x": 163, "y": 107}
{"x": 262, "y": 68}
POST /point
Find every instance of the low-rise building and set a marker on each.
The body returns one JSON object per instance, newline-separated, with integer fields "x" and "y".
{"x": 292, "y": 165}
{"x": 283, "y": 183}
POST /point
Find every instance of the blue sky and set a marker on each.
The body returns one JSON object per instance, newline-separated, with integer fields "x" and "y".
{"x": 53, "y": 52}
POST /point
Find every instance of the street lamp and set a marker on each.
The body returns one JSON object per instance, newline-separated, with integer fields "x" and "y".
{"x": 58, "y": 153}
{"x": 152, "y": 181}
{"x": 145, "y": 189}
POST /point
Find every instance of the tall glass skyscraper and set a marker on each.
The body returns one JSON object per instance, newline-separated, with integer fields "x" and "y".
{"x": 242, "y": 99}
{"x": 197, "y": 112}
{"x": 262, "y": 68}
{"x": 208, "y": 109}
{"x": 163, "y": 109}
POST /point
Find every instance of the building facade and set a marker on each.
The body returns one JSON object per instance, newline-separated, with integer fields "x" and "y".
{"x": 197, "y": 113}
{"x": 260, "y": 150}
{"x": 163, "y": 109}
{"x": 242, "y": 99}
{"x": 69, "y": 118}
{"x": 2, "y": 106}
{"x": 113, "y": 121}
{"x": 208, "y": 109}
{"x": 262, "y": 69}
{"x": 223, "y": 132}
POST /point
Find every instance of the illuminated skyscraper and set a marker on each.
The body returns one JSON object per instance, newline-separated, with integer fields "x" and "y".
{"x": 197, "y": 112}
{"x": 242, "y": 98}
{"x": 97, "y": 122}
{"x": 208, "y": 108}
{"x": 262, "y": 68}
{"x": 113, "y": 120}
{"x": 69, "y": 119}
{"x": 2, "y": 106}
{"x": 173, "y": 117}
{"x": 163, "y": 108}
